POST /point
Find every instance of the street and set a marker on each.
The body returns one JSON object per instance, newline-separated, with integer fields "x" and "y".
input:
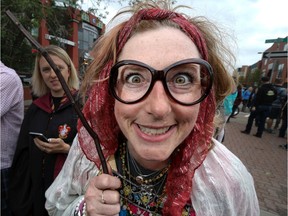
{"x": 265, "y": 160}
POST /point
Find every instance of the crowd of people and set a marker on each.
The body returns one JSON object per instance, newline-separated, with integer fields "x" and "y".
{"x": 151, "y": 95}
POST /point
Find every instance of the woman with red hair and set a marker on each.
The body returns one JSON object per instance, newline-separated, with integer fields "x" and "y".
{"x": 151, "y": 93}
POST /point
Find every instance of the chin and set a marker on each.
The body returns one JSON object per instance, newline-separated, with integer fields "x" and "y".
{"x": 157, "y": 157}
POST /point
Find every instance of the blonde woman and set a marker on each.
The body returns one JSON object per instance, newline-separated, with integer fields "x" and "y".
{"x": 36, "y": 162}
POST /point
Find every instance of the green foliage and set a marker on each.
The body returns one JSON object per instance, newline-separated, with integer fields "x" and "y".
{"x": 241, "y": 79}
{"x": 253, "y": 78}
{"x": 256, "y": 77}
{"x": 16, "y": 50}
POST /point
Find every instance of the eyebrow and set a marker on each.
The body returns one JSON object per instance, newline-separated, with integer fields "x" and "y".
{"x": 45, "y": 68}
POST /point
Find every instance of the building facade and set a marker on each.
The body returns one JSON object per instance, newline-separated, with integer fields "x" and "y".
{"x": 273, "y": 64}
{"x": 84, "y": 30}
{"x": 274, "y": 60}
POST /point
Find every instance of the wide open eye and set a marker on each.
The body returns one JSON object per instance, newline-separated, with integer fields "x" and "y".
{"x": 134, "y": 76}
{"x": 132, "y": 82}
{"x": 182, "y": 79}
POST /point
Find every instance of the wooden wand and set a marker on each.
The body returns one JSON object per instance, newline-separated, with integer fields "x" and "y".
{"x": 65, "y": 87}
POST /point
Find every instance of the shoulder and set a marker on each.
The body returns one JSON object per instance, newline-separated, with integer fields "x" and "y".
{"x": 225, "y": 184}
{"x": 282, "y": 91}
{"x": 222, "y": 160}
{"x": 11, "y": 83}
{"x": 31, "y": 109}
{"x": 9, "y": 74}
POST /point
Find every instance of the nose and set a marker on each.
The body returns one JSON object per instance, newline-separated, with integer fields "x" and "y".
{"x": 53, "y": 73}
{"x": 158, "y": 102}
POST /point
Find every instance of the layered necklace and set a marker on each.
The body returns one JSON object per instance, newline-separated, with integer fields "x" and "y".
{"x": 144, "y": 188}
{"x": 143, "y": 191}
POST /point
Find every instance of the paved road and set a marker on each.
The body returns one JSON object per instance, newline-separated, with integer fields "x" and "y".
{"x": 265, "y": 160}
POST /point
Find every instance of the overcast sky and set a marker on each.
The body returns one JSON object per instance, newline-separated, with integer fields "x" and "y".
{"x": 250, "y": 22}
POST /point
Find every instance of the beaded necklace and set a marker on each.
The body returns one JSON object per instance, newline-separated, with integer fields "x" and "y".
{"x": 145, "y": 197}
{"x": 140, "y": 178}
{"x": 146, "y": 191}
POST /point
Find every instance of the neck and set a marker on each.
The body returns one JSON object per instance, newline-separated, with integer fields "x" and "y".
{"x": 152, "y": 165}
{"x": 58, "y": 93}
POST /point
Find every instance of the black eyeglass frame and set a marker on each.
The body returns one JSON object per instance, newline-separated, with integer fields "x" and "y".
{"x": 161, "y": 76}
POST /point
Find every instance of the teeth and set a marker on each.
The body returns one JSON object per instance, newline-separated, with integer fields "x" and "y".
{"x": 153, "y": 131}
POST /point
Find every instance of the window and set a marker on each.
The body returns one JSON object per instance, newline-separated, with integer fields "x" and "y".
{"x": 87, "y": 35}
{"x": 285, "y": 47}
{"x": 280, "y": 70}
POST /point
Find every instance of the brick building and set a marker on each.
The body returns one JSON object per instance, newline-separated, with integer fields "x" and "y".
{"x": 272, "y": 64}
{"x": 274, "y": 60}
{"x": 85, "y": 29}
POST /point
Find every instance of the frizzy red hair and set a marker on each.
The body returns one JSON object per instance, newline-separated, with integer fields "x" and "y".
{"x": 100, "y": 105}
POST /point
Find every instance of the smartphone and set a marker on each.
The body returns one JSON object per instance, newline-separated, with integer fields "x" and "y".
{"x": 39, "y": 136}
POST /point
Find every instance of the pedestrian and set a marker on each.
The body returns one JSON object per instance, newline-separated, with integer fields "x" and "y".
{"x": 275, "y": 113}
{"x": 237, "y": 102}
{"x": 251, "y": 99}
{"x": 226, "y": 112}
{"x": 150, "y": 102}
{"x": 36, "y": 163}
{"x": 12, "y": 113}
{"x": 261, "y": 108}
{"x": 245, "y": 98}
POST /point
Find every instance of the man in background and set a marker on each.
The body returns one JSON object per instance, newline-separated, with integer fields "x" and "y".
{"x": 264, "y": 98}
{"x": 12, "y": 112}
{"x": 276, "y": 106}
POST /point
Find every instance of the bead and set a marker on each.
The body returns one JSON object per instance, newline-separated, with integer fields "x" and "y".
{"x": 139, "y": 179}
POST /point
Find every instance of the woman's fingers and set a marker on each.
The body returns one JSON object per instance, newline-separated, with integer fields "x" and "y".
{"x": 102, "y": 197}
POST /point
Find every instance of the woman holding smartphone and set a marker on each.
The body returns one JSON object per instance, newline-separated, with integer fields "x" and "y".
{"x": 36, "y": 162}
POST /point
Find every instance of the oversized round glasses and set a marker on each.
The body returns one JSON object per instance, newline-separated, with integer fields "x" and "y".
{"x": 187, "y": 82}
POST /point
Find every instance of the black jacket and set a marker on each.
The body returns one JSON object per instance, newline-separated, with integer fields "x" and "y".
{"x": 33, "y": 171}
{"x": 266, "y": 95}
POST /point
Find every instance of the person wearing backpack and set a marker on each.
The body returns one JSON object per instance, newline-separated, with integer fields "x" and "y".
{"x": 263, "y": 105}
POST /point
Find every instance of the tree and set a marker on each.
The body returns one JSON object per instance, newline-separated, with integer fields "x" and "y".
{"x": 241, "y": 79}
{"x": 256, "y": 77}
{"x": 16, "y": 51}
{"x": 253, "y": 78}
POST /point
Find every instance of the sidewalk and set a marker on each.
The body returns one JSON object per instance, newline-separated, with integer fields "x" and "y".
{"x": 266, "y": 162}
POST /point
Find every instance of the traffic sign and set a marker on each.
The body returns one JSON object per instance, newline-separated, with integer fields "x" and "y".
{"x": 276, "y": 54}
{"x": 277, "y": 40}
